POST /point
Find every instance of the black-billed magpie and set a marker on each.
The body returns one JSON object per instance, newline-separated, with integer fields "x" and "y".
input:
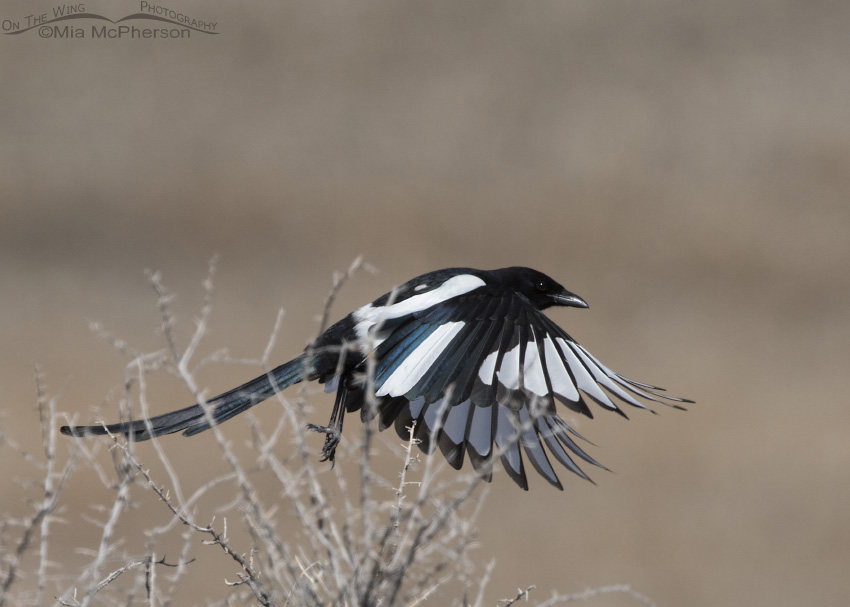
{"x": 468, "y": 354}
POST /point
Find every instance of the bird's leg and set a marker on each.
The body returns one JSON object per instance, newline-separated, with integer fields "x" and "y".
{"x": 333, "y": 430}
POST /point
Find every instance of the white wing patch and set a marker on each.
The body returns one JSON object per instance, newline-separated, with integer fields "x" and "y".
{"x": 485, "y": 371}
{"x": 455, "y": 426}
{"x": 411, "y": 370}
{"x": 367, "y": 316}
{"x": 535, "y": 380}
{"x": 589, "y": 373}
{"x": 583, "y": 378}
{"x": 534, "y": 448}
{"x": 508, "y": 373}
{"x": 561, "y": 381}
{"x": 479, "y": 431}
{"x": 434, "y": 412}
{"x": 507, "y": 439}
{"x": 533, "y": 376}
{"x": 603, "y": 376}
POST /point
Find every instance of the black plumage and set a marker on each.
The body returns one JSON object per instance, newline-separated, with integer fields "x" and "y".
{"x": 467, "y": 354}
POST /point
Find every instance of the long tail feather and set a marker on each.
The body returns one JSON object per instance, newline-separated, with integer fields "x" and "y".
{"x": 193, "y": 420}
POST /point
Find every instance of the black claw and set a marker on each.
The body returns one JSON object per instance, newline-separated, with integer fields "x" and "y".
{"x": 331, "y": 441}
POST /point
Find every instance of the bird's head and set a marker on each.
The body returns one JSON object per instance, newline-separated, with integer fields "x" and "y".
{"x": 539, "y": 289}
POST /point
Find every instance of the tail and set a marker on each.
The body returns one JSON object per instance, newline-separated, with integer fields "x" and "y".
{"x": 193, "y": 420}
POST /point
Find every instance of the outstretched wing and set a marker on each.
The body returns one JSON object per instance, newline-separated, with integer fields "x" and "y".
{"x": 481, "y": 374}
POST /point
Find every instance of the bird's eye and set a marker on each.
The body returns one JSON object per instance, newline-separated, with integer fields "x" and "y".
{"x": 541, "y": 286}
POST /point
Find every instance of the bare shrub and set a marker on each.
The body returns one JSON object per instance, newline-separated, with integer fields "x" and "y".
{"x": 385, "y": 542}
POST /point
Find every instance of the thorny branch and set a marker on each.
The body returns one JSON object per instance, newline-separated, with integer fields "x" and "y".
{"x": 377, "y": 542}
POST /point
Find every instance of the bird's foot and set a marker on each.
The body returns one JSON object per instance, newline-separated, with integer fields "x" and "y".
{"x": 331, "y": 441}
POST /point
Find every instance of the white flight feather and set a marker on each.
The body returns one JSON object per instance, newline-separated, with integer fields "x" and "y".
{"x": 412, "y": 368}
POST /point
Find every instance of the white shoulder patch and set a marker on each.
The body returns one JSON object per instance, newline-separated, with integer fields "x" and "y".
{"x": 367, "y": 316}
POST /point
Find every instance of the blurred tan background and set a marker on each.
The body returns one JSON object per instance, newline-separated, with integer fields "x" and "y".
{"x": 685, "y": 167}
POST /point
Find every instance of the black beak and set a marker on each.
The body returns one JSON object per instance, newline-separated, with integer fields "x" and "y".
{"x": 569, "y": 299}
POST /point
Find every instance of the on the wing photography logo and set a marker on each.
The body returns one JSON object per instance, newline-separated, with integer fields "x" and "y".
{"x": 74, "y": 22}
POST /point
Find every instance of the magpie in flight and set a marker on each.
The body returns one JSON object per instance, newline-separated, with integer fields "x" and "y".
{"x": 467, "y": 354}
